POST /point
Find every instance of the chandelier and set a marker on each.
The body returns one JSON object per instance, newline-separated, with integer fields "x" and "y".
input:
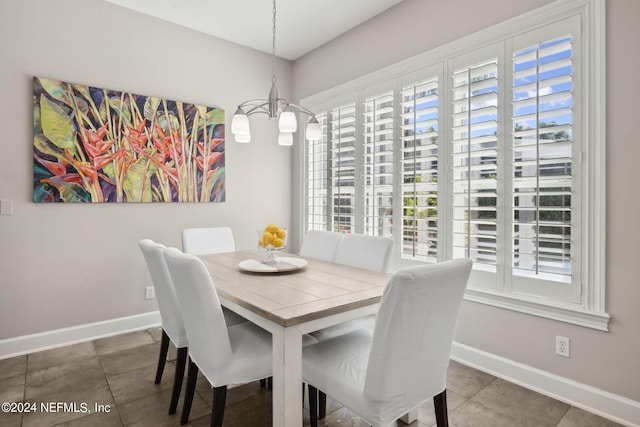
{"x": 275, "y": 107}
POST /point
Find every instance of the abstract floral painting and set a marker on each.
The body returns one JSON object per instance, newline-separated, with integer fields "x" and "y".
{"x": 99, "y": 145}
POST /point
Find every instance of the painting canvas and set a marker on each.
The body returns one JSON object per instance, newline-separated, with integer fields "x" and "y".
{"x": 99, "y": 145}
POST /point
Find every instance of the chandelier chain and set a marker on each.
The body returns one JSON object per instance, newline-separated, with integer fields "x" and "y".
{"x": 273, "y": 47}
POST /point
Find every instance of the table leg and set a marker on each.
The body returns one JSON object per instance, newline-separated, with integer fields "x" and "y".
{"x": 410, "y": 416}
{"x": 287, "y": 377}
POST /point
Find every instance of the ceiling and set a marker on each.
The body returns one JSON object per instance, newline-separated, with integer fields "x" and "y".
{"x": 302, "y": 25}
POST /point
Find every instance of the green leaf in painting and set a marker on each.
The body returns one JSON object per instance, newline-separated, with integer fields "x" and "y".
{"x": 137, "y": 182}
{"x": 151, "y": 105}
{"x": 110, "y": 171}
{"x": 83, "y": 90}
{"x": 56, "y": 89}
{"x": 213, "y": 117}
{"x": 36, "y": 116}
{"x": 70, "y": 192}
{"x": 216, "y": 115}
{"x": 45, "y": 147}
{"x": 41, "y": 193}
{"x": 162, "y": 122}
{"x": 209, "y": 184}
{"x": 57, "y": 126}
{"x": 121, "y": 109}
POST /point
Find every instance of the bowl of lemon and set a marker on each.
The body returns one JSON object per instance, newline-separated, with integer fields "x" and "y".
{"x": 272, "y": 239}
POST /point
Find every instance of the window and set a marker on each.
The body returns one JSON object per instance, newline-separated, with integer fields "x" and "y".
{"x": 377, "y": 160}
{"x": 420, "y": 170}
{"x": 474, "y": 146}
{"x": 317, "y": 165}
{"x": 343, "y": 167}
{"x": 478, "y": 150}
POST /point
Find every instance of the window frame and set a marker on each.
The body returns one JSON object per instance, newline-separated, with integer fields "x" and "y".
{"x": 589, "y": 309}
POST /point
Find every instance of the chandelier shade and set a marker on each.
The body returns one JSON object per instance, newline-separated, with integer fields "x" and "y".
{"x": 285, "y": 138}
{"x": 276, "y": 108}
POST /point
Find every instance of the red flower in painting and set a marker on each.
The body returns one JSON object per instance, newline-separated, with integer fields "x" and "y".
{"x": 137, "y": 136}
{"x": 93, "y": 142}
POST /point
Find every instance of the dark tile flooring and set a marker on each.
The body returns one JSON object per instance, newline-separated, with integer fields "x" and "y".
{"x": 118, "y": 373}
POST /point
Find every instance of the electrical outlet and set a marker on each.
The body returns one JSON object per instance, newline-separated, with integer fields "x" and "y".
{"x": 149, "y": 292}
{"x": 563, "y": 347}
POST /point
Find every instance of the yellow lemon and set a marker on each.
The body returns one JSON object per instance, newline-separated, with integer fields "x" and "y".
{"x": 277, "y": 242}
{"x": 267, "y": 238}
{"x": 272, "y": 228}
{"x": 261, "y": 243}
{"x": 281, "y": 233}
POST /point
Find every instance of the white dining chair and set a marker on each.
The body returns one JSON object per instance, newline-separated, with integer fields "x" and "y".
{"x": 211, "y": 240}
{"x": 226, "y": 355}
{"x": 207, "y": 240}
{"x": 382, "y": 375}
{"x": 172, "y": 324}
{"x": 367, "y": 252}
{"x": 362, "y": 251}
{"x": 320, "y": 244}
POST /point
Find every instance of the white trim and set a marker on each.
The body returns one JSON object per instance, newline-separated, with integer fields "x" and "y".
{"x": 603, "y": 403}
{"x": 568, "y": 313}
{"x": 18, "y": 346}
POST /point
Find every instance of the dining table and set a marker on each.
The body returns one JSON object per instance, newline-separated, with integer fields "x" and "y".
{"x": 289, "y": 299}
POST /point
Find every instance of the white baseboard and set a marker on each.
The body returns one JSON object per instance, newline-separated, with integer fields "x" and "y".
{"x": 608, "y": 405}
{"x": 60, "y": 337}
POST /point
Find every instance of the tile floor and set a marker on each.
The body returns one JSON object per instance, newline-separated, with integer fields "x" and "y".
{"x": 118, "y": 373}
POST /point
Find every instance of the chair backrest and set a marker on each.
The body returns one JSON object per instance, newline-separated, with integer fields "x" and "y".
{"x": 369, "y": 252}
{"x": 414, "y": 331}
{"x": 165, "y": 293}
{"x": 207, "y": 240}
{"x": 209, "y": 345}
{"x": 321, "y": 245}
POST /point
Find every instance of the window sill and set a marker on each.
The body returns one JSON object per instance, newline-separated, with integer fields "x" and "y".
{"x": 567, "y": 313}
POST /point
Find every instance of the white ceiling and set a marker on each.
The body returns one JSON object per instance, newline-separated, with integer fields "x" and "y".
{"x": 302, "y": 25}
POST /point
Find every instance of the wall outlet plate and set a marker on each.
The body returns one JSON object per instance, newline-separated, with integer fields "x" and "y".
{"x": 149, "y": 292}
{"x": 6, "y": 207}
{"x": 563, "y": 347}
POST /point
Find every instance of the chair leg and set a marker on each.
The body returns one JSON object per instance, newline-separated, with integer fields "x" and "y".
{"x": 322, "y": 405}
{"x": 181, "y": 361}
{"x": 192, "y": 376}
{"x": 263, "y": 383}
{"x": 162, "y": 359}
{"x": 219, "y": 399}
{"x": 313, "y": 405}
{"x": 440, "y": 404}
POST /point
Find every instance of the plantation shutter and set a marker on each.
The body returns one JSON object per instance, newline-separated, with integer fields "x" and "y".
{"x": 343, "y": 159}
{"x": 378, "y": 164}
{"x": 420, "y": 170}
{"x": 542, "y": 164}
{"x": 317, "y": 179}
{"x": 475, "y": 165}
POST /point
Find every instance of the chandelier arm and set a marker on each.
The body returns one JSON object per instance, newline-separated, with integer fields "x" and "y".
{"x": 255, "y": 106}
{"x": 301, "y": 109}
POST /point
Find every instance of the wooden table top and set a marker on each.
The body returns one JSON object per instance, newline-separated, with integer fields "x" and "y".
{"x": 289, "y": 298}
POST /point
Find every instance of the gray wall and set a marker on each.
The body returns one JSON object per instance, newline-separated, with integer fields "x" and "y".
{"x": 606, "y": 360}
{"x": 63, "y": 265}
